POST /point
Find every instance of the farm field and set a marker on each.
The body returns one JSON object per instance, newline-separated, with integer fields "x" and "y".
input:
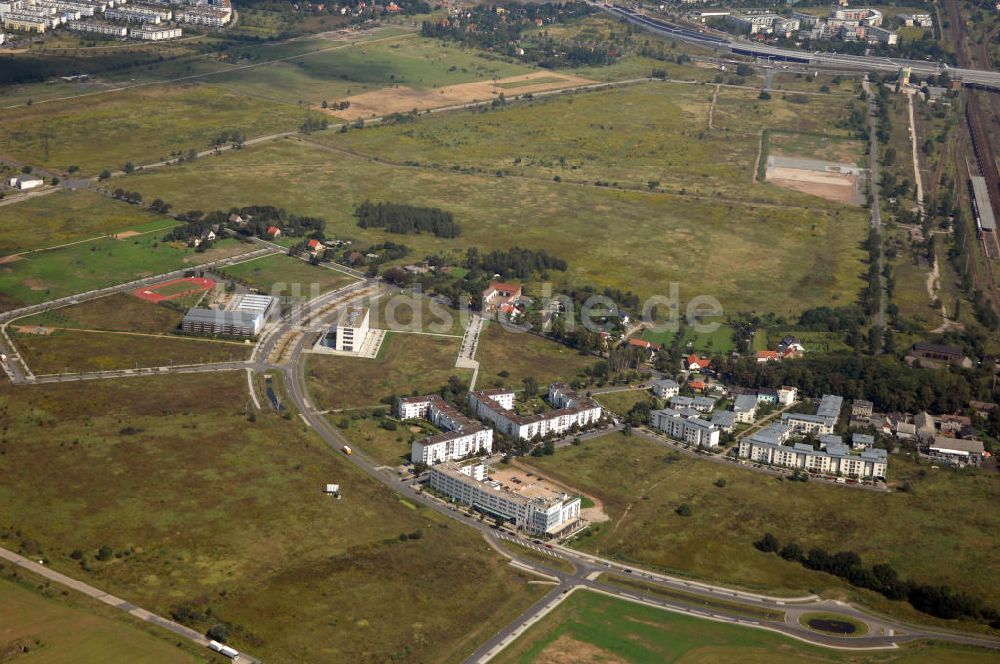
{"x": 591, "y": 627}
{"x": 121, "y": 312}
{"x": 817, "y": 248}
{"x": 347, "y": 69}
{"x": 77, "y": 350}
{"x": 230, "y": 517}
{"x": 71, "y": 629}
{"x": 77, "y": 269}
{"x": 141, "y": 125}
{"x": 506, "y": 358}
{"x": 406, "y": 363}
{"x": 641, "y": 484}
{"x": 652, "y": 132}
{"x": 67, "y": 216}
{"x": 292, "y": 274}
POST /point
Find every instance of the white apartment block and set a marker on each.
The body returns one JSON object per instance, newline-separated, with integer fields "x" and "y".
{"x": 215, "y": 16}
{"x": 349, "y": 331}
{"x": 666, "y": 388}
{"x": 154, "y": 33}
{"x": 471, "y": 484}
{"x": 745, "y": 407}
{"x": 497, "y": 407}
{"x": 832, "y": 459}
{"x": 823, "y": 422}
{"x": 98, "y": 27}
{"x": 461, "y": 438}
{"x": 139, "y": 14}
{"x": 692, "y": 430}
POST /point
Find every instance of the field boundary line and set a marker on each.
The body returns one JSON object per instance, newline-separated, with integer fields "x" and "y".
{"x": 134, "y": 334}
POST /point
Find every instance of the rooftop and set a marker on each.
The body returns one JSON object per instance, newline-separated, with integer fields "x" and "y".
{"x": 352, "y": 317}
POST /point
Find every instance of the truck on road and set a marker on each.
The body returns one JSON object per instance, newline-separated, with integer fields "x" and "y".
{"x": 231, "y": 653}
{"x": 347, "y": 450}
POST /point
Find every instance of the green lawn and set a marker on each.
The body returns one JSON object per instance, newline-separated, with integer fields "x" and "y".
{"x": 67, "y": 216}
{"x": 70, "y": 629}
{"x": 406, "y": 363}
{"x": 74, "y": 350}
{"x": 641, "y": 484}
{"x": 121, "y": 312}
{"x": 521, "y": 355}
{"x": 230, "y": 516}
{"x": 780, "y": 259}
{"x": 280, "y": 274}
{"x": 388, "y": 447}
{"x": 622, "y": 402}
{"x": 411, "y": 312}
{"x": 51, "y": 274}
{"x": 142, "y": 125}
{"x": 596, "y": 628}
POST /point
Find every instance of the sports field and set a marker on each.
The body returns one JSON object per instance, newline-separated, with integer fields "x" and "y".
{"x": 506, "y": 358}
{"x": 780, "y": 258}
{"x": 641, "y": 484}
{"x": 77, "y": 350}
{"x": 590, "y": 627}
{"x": 83, "y": 267}
{"x": 173, "y": 289}
{"x": 231, "y": 517}
{"x": 67, "y": 216}
{"x": 406, "y": 364}
{"x": 57, "y": 629}
{"x": 280, "y": 274}
{"x": 141, "y": 125}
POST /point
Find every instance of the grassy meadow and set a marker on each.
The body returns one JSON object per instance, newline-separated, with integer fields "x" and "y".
{"x": 596, "y": 628}
{"x": 506, "y": 358}
{"x": 406, "y": 363}
{"x": 268, "y": 273}
{"x": 121, "y": 312}
{"x": 231, "y": 517}
{"x": 763, "y": 258}
{"x": 641, "y": 484}
{"x": 68, "y": 216}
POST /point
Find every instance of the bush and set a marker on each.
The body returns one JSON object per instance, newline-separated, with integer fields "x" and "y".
{"x": 218, "y": 632}
{"x": 104, "y": 553}
{"x": 768, "y": 543}
{"x": 684, "y": 509}
{"x": 721, "y": 482}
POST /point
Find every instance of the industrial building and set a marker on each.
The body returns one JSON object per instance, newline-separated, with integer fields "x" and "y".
{"x": 246, "y": 318}
{"x": 956, "y": 451}
{"x": 571, "y": 409}
{"x": 528, "y": 504}
{"x": 461, "y": 437}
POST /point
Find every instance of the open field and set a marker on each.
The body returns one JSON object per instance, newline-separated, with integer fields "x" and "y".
{"x": 634, "y": 135}
{"x": 78, "y": 350}
{"x": 406, "y": 363}
{"x": 67, "y": 216}
{"x": 231, "y": 517}
{"x": 70, "y": 629}
{"x": 121, "y": 312}
{"x": 386, "y": 61}
{"x": 641, "y": 484}
{"x": 589, "y": 627}
{"x": 410, "y": 312}
{"x": 818, "y": 249}
{"x": 142, "y": 125}
{"x": 622, "y": 402}
{"x": 402, "y": 99}
{"x": 283, "y": 275}
{"x": 520, "y": 355}
{"x": 388, "y": 447}
{"x": 82, "y": 267}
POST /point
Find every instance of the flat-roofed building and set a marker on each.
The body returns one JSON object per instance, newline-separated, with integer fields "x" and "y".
{"x": 223, "y": 323}
{"x": 684, "y": 427}
{"x": 529, "y": 504}
{"x": 99, "y": 28}
{"x": 571, "y": 409}
{"x": 956, "y": 451}
{"x": 349, "y": 331}
{"x": 461, "y": 437}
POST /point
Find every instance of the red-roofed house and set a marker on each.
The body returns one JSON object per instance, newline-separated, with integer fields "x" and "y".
{"x": 274, "y": 232}
{"x": 767, "y": 356}
{"x": 697, "y": 385}
{"x": 498, "y": 293}
{"x": 648, "y": 346}
{"x": 695, "y": 363}
{"x": 315, "y": 247}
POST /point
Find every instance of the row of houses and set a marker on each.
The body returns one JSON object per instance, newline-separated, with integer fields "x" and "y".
{"x": 79, "y": 16}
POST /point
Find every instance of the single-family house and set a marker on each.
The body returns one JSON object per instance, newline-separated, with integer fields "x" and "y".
{"x": 315, "y": 247}
{"x": 764, "y": 356}
{"x": 498, "y": 293}
{"x": 698, "y": 385}
{"x": 695, "y": 363}
{"x": 650, "y": 347}
{"x": 273, "y": 232}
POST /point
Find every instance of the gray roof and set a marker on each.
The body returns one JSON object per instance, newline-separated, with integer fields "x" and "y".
{"x": 831, "y": 439}
{"x": 863, "y": 439}
{"x": 771, "y": 434}
{"x": 220, "y": 317}
{"x": 875, "y": 454}
{"x": 829, "y": 406}
{"x": 957, "y": 444}
{"x": 666, "y": 383}
{"x": 681, "y": 400}
{"x": 724, "y": 418}
{"x": 982, "y": 195}
{"x": 745, "y": 403}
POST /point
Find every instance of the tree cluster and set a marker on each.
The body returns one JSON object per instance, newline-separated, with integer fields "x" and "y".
{"x": 516, "y": 262}
{"x": 402, "y": 218}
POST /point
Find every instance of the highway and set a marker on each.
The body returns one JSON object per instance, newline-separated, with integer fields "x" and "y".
{"x": 977, "y": 77}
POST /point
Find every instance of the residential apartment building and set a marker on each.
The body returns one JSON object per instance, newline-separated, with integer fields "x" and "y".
{"x": 834, "y": 458}
{"x": 666, "y": 388}
{"x": 497, "y": 407}
{"x": 155, "y": 33}
{"x": 138, "y": 14}
{"x": 98, "y": 27}
{"x": 823, "y": 422}
{"x": 534, "y": 511}
{"x": 701, "y": 404}
{"x": 461, "y": 437}
{"x": 680, "y": 426}
{"x": 215, "y": 16}
{"x": 745, "y": 407}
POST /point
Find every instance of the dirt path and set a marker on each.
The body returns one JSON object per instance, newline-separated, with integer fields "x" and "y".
{"x": 711, "y": 108}
{"x": 916, "y": 159}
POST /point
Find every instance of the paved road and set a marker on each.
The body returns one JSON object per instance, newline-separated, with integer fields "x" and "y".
{"x": 111, "y": 600}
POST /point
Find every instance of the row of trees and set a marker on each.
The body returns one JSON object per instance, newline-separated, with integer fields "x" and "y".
{"x": 256, "y": 219}
{"x": 938, "y": 601}
{"x": 402, "y": 218}
{"x": 516, "y": 262}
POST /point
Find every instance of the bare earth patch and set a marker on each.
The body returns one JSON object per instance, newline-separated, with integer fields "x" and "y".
{"x": 34, "y": 329}
{"x": 567, "y": 650}
{"x": 35, "y": 284}
{"x": 595, "y": 514}
{"x": 838, "y": 188}
{"x": 10, "y": 259}
{"x": 403, "y": 99}
{"x": 126, "y": 234}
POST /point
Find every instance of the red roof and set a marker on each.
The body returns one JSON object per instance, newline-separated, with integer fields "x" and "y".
{"x": 767, "y": 355}
{"x": 273, "y": 230}
{"x": 502, "y": 287}
{"x": 695, "y": 360}
{"x": 312, "y": 244}
{"x": 642, "y": 343}
{"x": 697, "y": 385}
